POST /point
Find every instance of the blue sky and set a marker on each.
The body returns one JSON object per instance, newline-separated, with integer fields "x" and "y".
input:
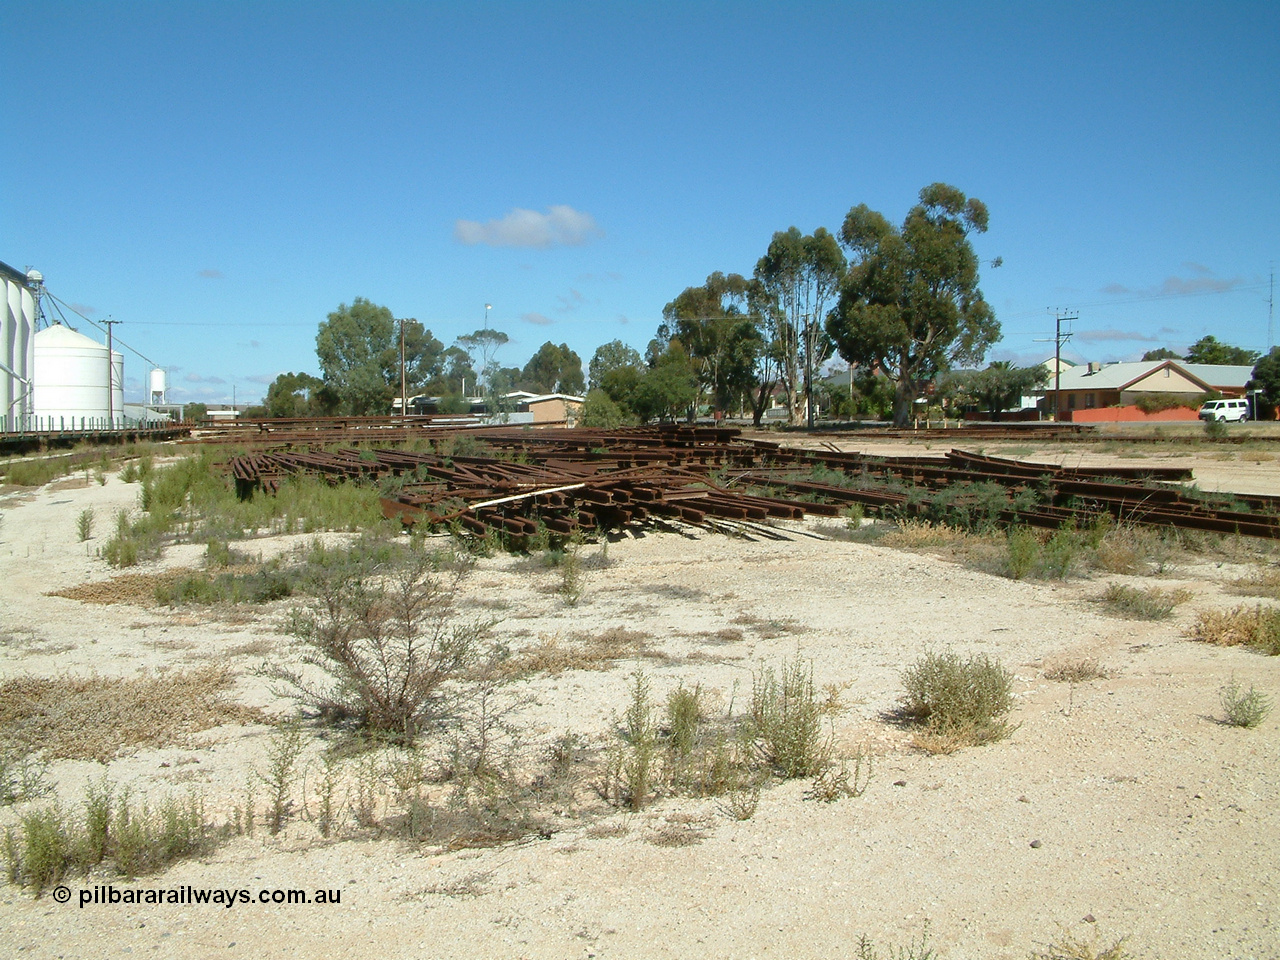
{"x": 219, "y": 176}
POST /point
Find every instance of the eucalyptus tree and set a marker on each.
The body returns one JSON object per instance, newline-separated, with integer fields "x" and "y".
{"x": 909, "y": 304}
{"x": 721, "y": 335}
{"x": 798, "y": 280}
{"x": 554, "y": 370}
{"x": 359, "y": 348}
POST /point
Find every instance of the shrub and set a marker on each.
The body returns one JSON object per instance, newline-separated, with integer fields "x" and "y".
{"x": 1023, "y": 552}
{"x": 632, "y": 764}
{"x": 1244, "y": 708}
{"x": 384, "y": 629}
{"x": 49, "y": 843}
{"x": 834, "y": 781}
{"x": 958, "y": 702}
{"x": 84, "y": 524}
{"x": 915, "y": 950}
{"x": 1257, "y": 627}
{"x": 21, "y": 776}
{"x": 1215, "y": 429}
{"x": 786, "y": 720}
{"x": 1059, "y": 555}
{"x": 1134, "y": 603}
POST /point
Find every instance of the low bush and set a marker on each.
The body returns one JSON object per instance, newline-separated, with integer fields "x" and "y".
{"x": 22, "y": 776}
{"x": 1257, "y": 627}
{"x": 786, "y": 720}
{"x": 1023, "y": 551}
{"x": 1134, "y": 603}
{"x": 957, "y": 702}
{"x": 49, "y": 843}
{"x": 1244, "y": 708}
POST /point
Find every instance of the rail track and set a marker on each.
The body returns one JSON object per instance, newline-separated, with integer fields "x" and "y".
{"x": 517, "y": 482}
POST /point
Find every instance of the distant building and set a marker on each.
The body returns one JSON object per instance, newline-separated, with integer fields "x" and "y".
{"x": 1092, "y": 385}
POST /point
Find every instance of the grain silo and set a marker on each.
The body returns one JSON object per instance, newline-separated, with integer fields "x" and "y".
{"x": 159, "y": 386}
{"x": 71, "y": 382}
{"x": 17, "y": 345}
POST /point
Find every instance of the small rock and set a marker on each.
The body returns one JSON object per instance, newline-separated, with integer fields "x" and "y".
{"x": 899, "y": 783}
{"x": 1023, "y": 799}
{"x": 1090, "y": 918}
{"x": 1035, "y": 844}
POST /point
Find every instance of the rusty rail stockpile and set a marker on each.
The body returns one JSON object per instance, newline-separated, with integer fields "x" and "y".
{"x": 512, "y": 481}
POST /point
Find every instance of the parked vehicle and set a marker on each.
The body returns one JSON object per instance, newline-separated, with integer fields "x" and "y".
{"x": 1223, "y": 410}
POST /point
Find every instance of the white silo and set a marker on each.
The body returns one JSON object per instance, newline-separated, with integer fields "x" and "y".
{"x": 17, "y": 345}
{"x": 71, "y": 391}
{"x": 159, "y": 386}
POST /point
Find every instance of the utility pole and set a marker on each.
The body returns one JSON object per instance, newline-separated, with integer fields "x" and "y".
{"x": 1271, "y": 300}
{"x": 111, "y": 374}
{"x": 1059, "y": 338}
{"x": 404, "y": 400}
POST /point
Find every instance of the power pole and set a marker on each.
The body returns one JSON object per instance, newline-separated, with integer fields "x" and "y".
{"x": 1271, "y": 300}
{"x": 111, "y": 375}
{"x": 404, "y": 400}
{"x": 1059, "y": 338}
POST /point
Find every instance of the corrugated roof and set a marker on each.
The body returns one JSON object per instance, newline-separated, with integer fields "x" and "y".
{"x": 1118, "y": 376}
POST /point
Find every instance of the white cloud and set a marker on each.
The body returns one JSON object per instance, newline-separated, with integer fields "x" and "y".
{"x": 536, "y": 318}
{"x": 560, "y": 226}
{"x": 1202, "y": 282}
{"x": 1102, "y": 336}
{"x": 211, "y": 274}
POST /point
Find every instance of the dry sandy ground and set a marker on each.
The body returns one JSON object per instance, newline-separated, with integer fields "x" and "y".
{"x": 1147, "y": 815}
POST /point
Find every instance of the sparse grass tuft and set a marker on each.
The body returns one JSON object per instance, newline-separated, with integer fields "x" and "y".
{"x": 1244, "y": 708}
{"x": 1076, "y": 671}
{"x": 1069, "y": 947}
{"x": 917, "y": 534}
{"x": 836, "y": 781}
{"x": 915, "y": 950}
{"x": 1263, "y": 582}
{"x": 1135, "y": 603}
{"x": 579, "y": 652}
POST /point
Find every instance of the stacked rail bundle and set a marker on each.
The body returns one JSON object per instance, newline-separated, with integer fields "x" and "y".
{"x": 516, "y": 482}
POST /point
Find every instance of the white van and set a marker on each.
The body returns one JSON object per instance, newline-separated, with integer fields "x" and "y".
{"x": 1222, "y": 410}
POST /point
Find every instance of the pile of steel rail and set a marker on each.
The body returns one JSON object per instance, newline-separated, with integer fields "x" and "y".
{"x": 515, "y": 482}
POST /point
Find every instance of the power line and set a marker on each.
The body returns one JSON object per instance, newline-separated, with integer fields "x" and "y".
{"x": 61, "y": 303}
{"x": 1059, "y": 338}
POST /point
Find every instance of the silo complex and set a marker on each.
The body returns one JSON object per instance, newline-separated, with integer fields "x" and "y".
{"x": 71, "y": 382}
{"x": 17, "y": 346}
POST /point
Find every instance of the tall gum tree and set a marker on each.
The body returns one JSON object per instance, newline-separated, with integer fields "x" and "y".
{"x": 721, "y": 335}
{"x": 799, "y": 277}
{"x": 359, "y": 351}
{"x": 909, "y": 304}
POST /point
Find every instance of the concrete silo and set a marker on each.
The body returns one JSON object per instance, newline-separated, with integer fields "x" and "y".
{"x": 71, "y": 382}
{"x": 17, "y": 345}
